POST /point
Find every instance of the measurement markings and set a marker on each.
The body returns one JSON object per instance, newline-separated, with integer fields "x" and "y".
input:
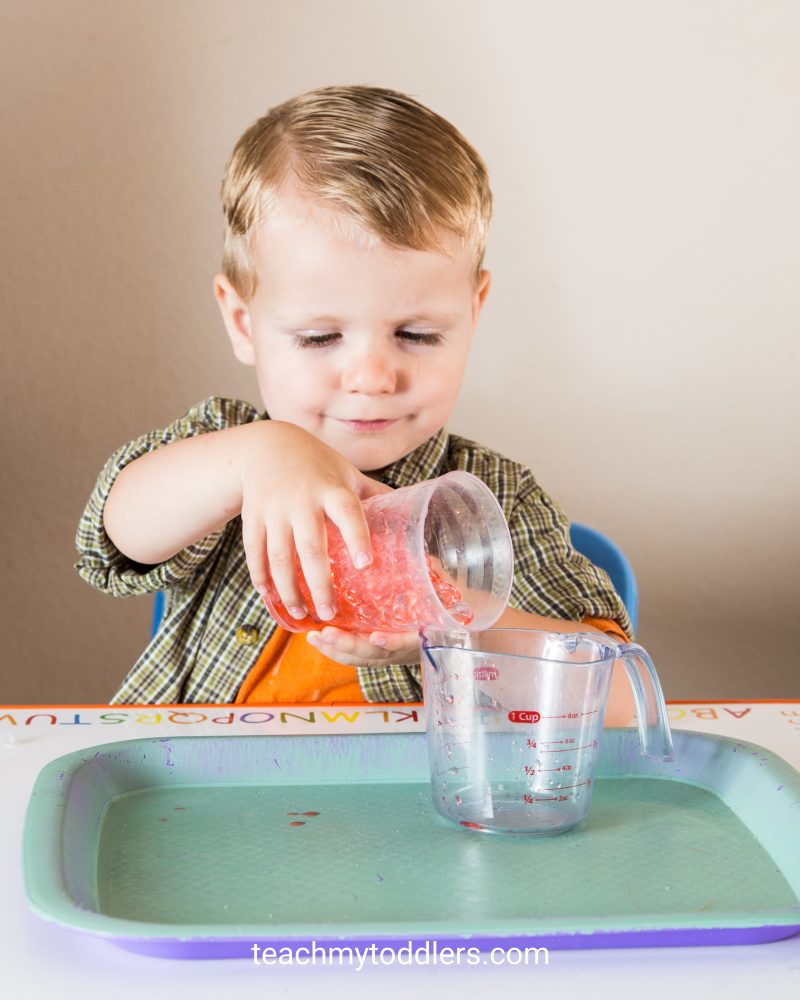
{"x": 586, "y": 746}
{"x": 559, "y": 788}
{"x": 529, "y": 800}
{"x": 572, "y": 715}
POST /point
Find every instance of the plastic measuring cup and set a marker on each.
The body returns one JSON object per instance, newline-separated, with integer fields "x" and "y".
{"x": 442, "y": 555}
{"x": 515, "y": 719}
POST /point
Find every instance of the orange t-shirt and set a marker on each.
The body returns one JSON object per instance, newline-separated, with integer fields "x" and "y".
{"x": 290, "y": 671}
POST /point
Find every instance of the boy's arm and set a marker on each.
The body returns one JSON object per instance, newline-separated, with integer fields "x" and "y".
{"x": 174, "y": 495}
{"x": 100, "y": 563}
{"x": 281, "y": 479}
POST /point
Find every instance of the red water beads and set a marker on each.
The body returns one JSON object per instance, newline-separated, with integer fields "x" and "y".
{"x": 391, "y": 594}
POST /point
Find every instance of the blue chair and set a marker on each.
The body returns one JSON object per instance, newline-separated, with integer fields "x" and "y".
{"x": 158, "y": 612}
{"x": 608, "y": 556}
{"x": 601, "y": 550}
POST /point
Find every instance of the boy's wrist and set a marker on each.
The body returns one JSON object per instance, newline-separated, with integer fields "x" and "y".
{"x": 259, "y": 444}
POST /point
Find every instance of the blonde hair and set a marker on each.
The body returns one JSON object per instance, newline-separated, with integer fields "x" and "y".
{"x": 375, "y": 155}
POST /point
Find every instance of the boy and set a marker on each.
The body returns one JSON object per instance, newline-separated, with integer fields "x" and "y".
{"x": 352, "y": 282}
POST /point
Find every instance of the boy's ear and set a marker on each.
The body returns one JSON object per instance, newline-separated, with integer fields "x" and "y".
{"x": 236, "y": 317}
{"x": 481, "y": 291}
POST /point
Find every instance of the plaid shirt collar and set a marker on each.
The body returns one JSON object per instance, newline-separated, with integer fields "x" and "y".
{"x": 425, "y": 462}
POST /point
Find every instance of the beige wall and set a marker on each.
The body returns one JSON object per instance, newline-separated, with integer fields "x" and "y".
{"x": 638, "y": 349}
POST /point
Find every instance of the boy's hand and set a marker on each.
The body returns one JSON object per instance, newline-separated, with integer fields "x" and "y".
{"x": 361, "y": 649}
{"x": 290, "y": 481}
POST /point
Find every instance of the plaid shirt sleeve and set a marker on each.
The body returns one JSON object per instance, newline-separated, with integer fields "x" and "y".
{"x": 552, "y": 578}
{"x": 100, "y": 562}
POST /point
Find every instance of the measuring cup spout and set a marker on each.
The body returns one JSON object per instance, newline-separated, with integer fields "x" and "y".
{"x": 651, "y": 710}
{"x": 440, "y": 647}
{"x": 426, "y": 650}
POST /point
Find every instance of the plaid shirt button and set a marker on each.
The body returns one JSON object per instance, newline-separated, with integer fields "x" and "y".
{"x": 246, "y": 635}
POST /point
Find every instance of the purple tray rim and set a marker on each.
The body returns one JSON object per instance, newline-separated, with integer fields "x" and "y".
{"x": 242, "y": 947}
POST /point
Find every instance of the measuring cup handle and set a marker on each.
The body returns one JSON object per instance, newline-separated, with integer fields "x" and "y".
{"x": 651, "y": 710}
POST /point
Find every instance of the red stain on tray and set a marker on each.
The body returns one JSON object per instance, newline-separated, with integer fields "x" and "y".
{"x": 301, "y": 822}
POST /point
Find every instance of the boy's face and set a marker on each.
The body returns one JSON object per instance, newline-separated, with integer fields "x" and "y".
{"x": 360, "y": 344}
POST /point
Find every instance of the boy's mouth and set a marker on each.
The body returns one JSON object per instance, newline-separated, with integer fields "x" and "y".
{"x": 367, "y": 426}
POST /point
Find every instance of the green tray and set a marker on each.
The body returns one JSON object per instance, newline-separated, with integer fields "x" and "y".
{"x": 205, "y": 846}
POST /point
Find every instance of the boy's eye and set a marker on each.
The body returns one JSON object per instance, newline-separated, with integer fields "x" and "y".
{"x": 410, "y": 336}
{"x": 317, "y": 340}
{"x": 420, "y": 338}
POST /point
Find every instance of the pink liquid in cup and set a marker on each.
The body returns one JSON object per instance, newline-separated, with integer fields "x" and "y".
{"x": 422, "y": 537}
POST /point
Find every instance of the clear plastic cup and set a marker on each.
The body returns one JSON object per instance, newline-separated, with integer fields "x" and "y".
{"x": 442, "y": 556}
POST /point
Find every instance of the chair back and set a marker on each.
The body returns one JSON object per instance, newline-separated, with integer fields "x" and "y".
{"x": 610, "y": 557}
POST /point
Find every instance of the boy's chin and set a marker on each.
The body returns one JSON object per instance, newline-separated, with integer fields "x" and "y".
{"x": 373, "y": 457}
{"x": 372, "y": 452}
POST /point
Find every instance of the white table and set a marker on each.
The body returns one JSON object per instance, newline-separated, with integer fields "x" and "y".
{"x": 41, "y": 959}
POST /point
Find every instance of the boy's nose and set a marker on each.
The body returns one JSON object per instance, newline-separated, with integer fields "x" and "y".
{"x": 371, "y": 374}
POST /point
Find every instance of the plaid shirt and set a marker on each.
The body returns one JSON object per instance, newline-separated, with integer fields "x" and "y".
{"x": 215, "y": 624}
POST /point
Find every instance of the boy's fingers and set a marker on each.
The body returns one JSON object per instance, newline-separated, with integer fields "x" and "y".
{"x": 347, "y": 647}
{"x": 255, "y": 552}
{"x": 347, "y": 643}
{"x": 311, "y": 542}
{"x": 280, "y": 552}
{"x": 368, "y": 487}
{"x": 394, "y": 641}
{"x": 375, "y": 646}
{"x": 346, "y": 512}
